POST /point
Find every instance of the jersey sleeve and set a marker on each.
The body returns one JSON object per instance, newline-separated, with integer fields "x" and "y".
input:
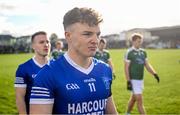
{"x": 42, "y": 90}
{"x": 110, "y": 81}
{"x": 20, "y": 80}
{"x": 127, "y": 57}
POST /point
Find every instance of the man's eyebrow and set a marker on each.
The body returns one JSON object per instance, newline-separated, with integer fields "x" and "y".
{"x": 87, "y": 32}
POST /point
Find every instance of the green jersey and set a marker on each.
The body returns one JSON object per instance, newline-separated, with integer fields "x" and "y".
{"x": 55, "y": 54}
{"x": 103, "y": 55}
{"x": 137, "y": 58}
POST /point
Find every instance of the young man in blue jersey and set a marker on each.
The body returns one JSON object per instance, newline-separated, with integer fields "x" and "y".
{"x": 135, "y": 61}
{"x": 27, "y": 71}
{"x": 76, "y": 83}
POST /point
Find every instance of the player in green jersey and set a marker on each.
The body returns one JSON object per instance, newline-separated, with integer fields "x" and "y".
{"x": 58, "y": 51}
{"x": 135, "y": 61}
{"x": 103, "y": 54}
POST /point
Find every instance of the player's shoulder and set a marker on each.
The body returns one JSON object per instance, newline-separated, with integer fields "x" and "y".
{"x": 129, "y": 50}
{"x": 45, "y": 72}
{"x": 50, "y": 70}
{"x": 142, "y": 49}
{"x": 54, "y": 50}
{"x": 106, "y": 51}
{"x": 100, "y": 63}
{"x": 25, "y": 67}
{"x": 26, "y": 64}
{"x": 54, "y": 64}
{"x": 102, "y": 68}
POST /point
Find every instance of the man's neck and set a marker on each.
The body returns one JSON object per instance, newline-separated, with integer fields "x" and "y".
{"x": 135, "y": 47}
{"x": 41, "y": 59}
{"x": 60, "y": 50}
{"x": 84, "y": 62}
{"x": 101, "y": 50}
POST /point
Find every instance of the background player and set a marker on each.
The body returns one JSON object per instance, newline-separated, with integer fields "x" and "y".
{"x": 58, "y": 51}
{"x": 27, "y": 71}
{"x": 76, "y": 83}
{"x": 135, "y": 60}
{"x": 104, "y": 55}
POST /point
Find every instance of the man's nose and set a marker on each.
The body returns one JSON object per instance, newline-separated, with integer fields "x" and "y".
{"x": 47, "y": 44}
{"x": 95, "y": 38}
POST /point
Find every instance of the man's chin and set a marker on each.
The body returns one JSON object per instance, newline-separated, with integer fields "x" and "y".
{"x": 92, "y": 54}
{"x": 44, "y": 55}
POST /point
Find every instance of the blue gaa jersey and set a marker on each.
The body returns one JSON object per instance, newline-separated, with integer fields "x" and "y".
{"x": 25, "y": 75}
{"x": 72, "y": 89}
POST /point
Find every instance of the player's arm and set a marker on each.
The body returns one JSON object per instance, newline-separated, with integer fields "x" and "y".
{"x": 109, "y": 61}
{"x": 151, "y": 70}
{"x": 20, "y": 90}
{"x": 112, "y": 68}
{"x": 111, "y": 64}
{"x": 42, "y": 97}
{"x": 20, "y": 100}
{"x": 126, "y": 69}
{"x": 41, "y": 108}
{"x": 110, "y": 107}
{"x": 40, "y": 100}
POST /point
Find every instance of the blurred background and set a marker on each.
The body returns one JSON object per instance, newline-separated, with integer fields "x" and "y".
{"x": 157, "y": 20}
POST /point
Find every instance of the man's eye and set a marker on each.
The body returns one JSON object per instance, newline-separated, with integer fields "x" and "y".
{"x": 87, "y": 34}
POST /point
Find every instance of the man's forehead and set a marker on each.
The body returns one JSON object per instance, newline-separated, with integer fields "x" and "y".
{"x": 41, "y": 37}
{"x": 85, "y": 27}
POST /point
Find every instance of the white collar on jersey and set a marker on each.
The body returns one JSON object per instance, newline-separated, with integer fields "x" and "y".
{"x": 136, "y": 48}
{"x": 38, "y": 64}
{"x": 81, "y": 69}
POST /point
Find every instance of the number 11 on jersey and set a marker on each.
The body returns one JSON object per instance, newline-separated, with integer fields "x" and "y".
{"x": 92, "y": 87}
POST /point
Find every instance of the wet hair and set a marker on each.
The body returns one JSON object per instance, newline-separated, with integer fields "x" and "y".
{"x": 37, "y": 33}
{"x": 81, "y": 15}
{"x": 136, "y": 36}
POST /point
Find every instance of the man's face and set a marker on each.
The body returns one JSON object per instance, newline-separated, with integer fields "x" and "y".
{"x": 59, "y": 46}
{"x": 137, "y": 43}
{"x": 101, "y": 46}
{"x": 41, "y": 45}
{"x": 83, "y": 39}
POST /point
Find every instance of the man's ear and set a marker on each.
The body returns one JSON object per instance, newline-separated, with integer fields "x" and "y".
{"x": 67, "y": 36}
{"x": 32, "y": 45}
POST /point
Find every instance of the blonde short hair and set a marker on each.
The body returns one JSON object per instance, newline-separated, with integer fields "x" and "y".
{"x": 136, "y": 36}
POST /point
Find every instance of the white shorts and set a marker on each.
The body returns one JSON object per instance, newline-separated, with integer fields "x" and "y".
{"x": 137, "y": 86}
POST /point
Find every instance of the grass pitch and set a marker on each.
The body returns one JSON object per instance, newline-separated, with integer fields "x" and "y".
{"x": 162, "y": 98}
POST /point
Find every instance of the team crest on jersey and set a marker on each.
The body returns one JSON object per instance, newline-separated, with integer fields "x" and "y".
{"x": 34, "y": 75}
{"x": 106, "y": 83}
{"x": 135, "y": 53}
{"x": 140, "y": 60}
